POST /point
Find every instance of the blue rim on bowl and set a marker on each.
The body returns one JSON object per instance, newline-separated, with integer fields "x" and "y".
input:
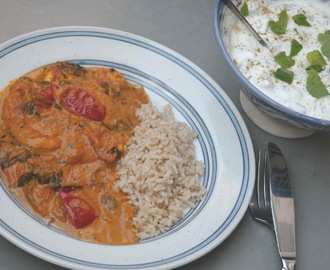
{"x": 260, "y": 100}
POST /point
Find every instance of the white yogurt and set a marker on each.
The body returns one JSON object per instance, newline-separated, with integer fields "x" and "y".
{"x": 257, "y": 62}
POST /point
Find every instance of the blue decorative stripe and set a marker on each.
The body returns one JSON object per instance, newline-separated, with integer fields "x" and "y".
{"x": 177, "y": 101}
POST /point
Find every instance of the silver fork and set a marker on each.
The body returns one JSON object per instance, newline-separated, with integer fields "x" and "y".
{"x": 260, "y": 206}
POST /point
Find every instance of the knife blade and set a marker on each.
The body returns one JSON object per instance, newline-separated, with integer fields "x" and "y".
{"x": 282, "y": 205}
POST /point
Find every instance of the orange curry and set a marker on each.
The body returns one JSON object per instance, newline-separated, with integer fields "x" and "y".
{"x": 63, "y": 128}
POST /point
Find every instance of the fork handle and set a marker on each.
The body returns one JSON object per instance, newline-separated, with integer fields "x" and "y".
{"x": 288, "y": 264}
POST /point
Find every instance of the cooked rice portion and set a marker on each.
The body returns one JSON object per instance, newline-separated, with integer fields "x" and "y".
{"x": 160, "y": 172}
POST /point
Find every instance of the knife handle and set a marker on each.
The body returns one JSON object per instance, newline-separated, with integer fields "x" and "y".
{"x": 288, "y": 264}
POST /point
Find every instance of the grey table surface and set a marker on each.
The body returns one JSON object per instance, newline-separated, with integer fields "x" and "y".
{"x": 186, "y": 26}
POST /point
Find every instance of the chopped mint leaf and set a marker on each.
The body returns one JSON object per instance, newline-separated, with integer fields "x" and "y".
{"x": 317, "y": 68}
{"x": 325, "y": 49}
{"x": 315, "y": 58}
{"x": 296, "y": 47}
{"x": 301, "y": 20}
{"x": 279, "y": 26}
{"x": 314, "y": 85}
{"x": 324, "y": 37}
{"x": 245, "y": 9}
{"x": 283, "y": 60}
{"x": 284, "y": 75}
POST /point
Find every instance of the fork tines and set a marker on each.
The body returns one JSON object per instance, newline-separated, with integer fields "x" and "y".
{"x": 260, "y": 207}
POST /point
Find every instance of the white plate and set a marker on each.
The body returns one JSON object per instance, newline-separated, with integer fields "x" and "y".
{"x": 223, "y": 144}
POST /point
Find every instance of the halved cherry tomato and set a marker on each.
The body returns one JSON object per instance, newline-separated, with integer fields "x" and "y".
{"x": 43, "y": 103}
{"x": 47, "y": 92}
{"x": 80, "y": 213}
{"x": 81, "y": 103}
{"x": 45, "y": 97}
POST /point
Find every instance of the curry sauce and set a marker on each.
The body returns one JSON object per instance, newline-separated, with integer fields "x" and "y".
{"x": 63, "y": 129}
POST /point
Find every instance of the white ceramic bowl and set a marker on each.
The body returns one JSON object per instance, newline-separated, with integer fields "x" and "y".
{"x": 268, "y": 114}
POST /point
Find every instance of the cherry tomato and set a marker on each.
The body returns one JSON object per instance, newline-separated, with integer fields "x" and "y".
{"x": 45, "y": 97}
{"x": 81, "y": 103}
{"x": 42, "y": 103}
{"x": 47, "y": 93}
{"x": 80, "y": 213}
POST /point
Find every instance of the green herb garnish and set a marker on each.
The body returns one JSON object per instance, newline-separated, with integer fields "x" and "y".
{"x": 284, "y": 75}
{"x": 296, "y": 47}
{"x": 245, "y": 9}
{"x": 301, "y": 20}
{"x": 279, "y": 26}
{"x": 317, "y": 68}
{"x": 325, "y": 49}
{"x": 283, "y": 60}
{"x": 324, "y": 38}
{"x": 286, "y": 61}
{"x": 316, "y": 60}
{"x": 314, "y": 85}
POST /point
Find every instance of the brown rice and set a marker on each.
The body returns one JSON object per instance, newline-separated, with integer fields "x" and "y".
{"x": 160, "y": 172}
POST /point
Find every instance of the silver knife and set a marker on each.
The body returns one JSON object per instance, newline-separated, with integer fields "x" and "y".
{"x": 282, "y": 205}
